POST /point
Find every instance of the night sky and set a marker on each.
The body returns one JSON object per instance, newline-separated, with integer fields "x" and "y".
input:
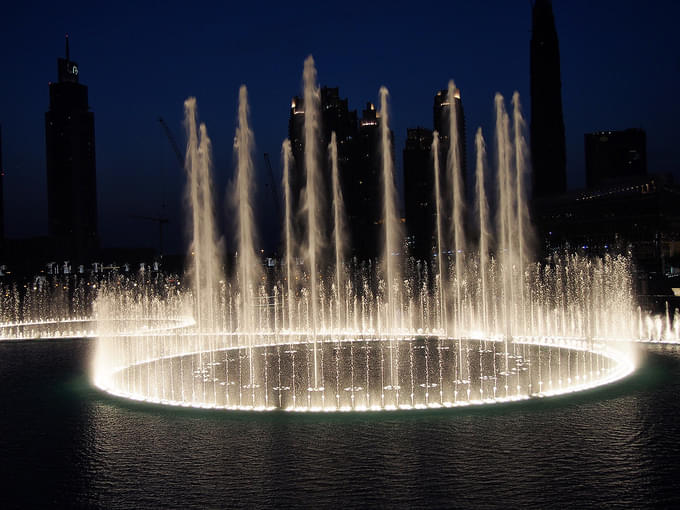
{"x": 620, "y": 64}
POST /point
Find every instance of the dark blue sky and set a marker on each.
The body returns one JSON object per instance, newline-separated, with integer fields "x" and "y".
{"x": 620, "y": 69}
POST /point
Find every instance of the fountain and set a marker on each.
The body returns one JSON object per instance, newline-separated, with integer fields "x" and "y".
{"x": 321, "y": 336}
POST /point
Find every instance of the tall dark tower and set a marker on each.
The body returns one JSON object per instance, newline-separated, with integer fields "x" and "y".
{"x": 364, "y": 196}
{"x": 71, "y": 167}
{"x": 2, "y": 201}
{"x": 548, "y": 153}
{"x": 419, "y": 199}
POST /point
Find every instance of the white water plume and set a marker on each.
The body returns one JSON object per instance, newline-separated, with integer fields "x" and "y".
{"x": 313, "y": 195}
{"x": 204, "y": 262}
{"x": 313, "y": 191}
{"x": 287, "y": 157}
{"x": 391, "y": 223}
{"x": 242, "y": 194}
{"x": 483, "y": 211}
{"x": 339, "y": 233}
{"x": 454, "y": 170}
{"x": 438, "y": 218}
{"x": 524, "y": 233}
{"x": 506, "y": 209}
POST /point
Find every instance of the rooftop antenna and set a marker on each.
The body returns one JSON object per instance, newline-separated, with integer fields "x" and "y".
{"x": 67, "y": 52}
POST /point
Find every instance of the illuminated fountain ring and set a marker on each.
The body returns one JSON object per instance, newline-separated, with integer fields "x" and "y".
{"x": 555, "y": 303}
{"x": 293, "y": 372}
{"x": 86, "y": 327}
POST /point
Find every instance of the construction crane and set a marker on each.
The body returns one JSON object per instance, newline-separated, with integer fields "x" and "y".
{"x": 161, "y": 221}
{"x": 173, "y": 143}
{"x": 274, "y": 188}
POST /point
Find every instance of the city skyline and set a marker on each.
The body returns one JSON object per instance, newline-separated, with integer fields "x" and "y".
{"x": 136, "y": 167}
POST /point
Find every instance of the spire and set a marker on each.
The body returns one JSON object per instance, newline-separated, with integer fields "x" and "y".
{"x": 543, "y": 21}
{"x": 67, "y": 52}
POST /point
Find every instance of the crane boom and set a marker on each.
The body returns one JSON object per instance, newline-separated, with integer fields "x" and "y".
{"x": 275, "y": 193}
{"x": 161, "y": 220}
{"x": 173, "y": 142}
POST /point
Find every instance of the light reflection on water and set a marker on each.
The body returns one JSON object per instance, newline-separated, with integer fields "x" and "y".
{"x": 66, "y": 444}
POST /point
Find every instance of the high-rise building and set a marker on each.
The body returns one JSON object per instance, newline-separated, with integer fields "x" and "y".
{"x": 296, "y": 135}
{"x": 363, "y": 198}
{"x": 359, "y": 165}
{"x": 441, "y": 110}
{"x": 612, "y": 155}
{"x": 548, "y": 153}
{"x": 419, "y": 199}
{"x": 335, "y": 116}
{"x": 71, "y": 166}
{"x": 2, "y": 201}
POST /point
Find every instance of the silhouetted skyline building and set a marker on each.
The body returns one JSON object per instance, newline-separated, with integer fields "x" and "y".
{"x": 71, "y": 166}
{"x": 613, "y": 155}
{"x": 359, "y": 168}
{"x": 419, "y": 199}
{"x": 548, "y": 152}
{"x": 2, "y": 201}
{"x": 441, "y": 111}
{"x": 364, "y": 198}
{"x": 335, "y": 115}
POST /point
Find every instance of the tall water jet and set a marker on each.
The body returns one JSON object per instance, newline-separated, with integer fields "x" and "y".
{"x": 149, "y": 348}
{"x": 438, "y": 205}
{"x": 248, "y": 263}
{"x": 523, "y": 220}
{"x": 391, "y": 224}
{"x": 313, "y": 194}
{"x": 483, "y": 211}
{"x": 506, "y": 196}
{"x": 339, "y": 235}
{"x": 454, "y": 167}
{"x": 287, "y": 156}
{"x": 204, "y": 247}
{"x": 392, "y": 238}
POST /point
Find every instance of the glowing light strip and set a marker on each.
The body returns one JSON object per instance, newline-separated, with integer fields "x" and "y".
{"x": 625, "y": 365}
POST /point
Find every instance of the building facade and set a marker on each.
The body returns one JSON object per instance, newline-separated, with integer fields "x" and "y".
{"x": 419, "y": 196}
{"x": 615, "y": 155}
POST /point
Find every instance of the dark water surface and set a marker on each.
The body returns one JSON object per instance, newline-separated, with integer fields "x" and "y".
{"x": 64, "y": 444}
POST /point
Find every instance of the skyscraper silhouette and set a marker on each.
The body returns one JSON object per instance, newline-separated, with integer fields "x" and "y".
{"x": 359, "y": 165}
{"x": 365, "y": 205}
{"x": 71, "y": 166}
{"x": 548, "y": 153}
{"x": 441, "y": 111}
{"x": 2, "y": 201}
{"x": 335, "y": 117}
{"x": 419, "y": 195}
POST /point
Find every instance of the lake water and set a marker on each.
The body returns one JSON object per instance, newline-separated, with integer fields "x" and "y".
{"x": 63, "y": 443}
